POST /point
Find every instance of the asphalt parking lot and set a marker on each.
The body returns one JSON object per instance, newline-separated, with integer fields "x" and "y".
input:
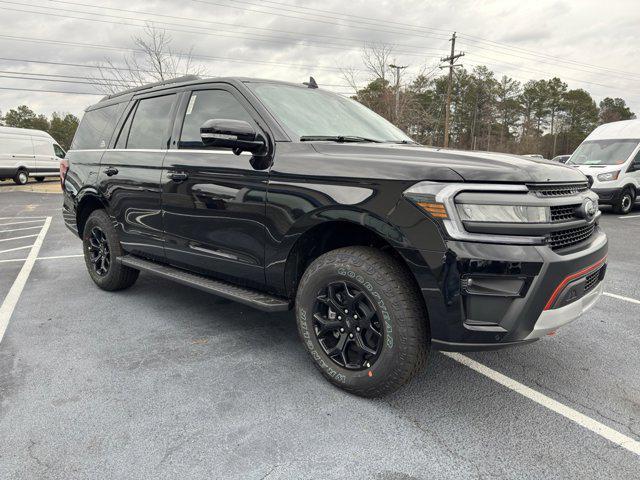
{"x": 161, "y": 381}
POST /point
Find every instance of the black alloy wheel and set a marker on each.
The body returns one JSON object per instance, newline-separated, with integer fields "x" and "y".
{"x": 347, "y": 326}
{"x": 99, "y": 253}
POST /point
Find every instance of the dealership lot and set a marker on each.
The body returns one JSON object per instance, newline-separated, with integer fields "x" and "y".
{"x": 164, "y": 381}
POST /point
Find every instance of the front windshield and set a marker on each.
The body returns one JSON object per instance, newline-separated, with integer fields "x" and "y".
{"x": 603, "y": 152}
{"x": 310, "y": 112}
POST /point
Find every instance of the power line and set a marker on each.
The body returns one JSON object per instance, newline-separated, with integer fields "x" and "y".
{"x": 405, "y": 31}
{"x": 406, "y": 26}
{"x": 171, "y": 27}
{"x": 209, "y": 22}
{"x": 196, "y": 56}
{"x": 51, "y": 91}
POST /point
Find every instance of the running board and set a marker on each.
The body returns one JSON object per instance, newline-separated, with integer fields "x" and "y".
{"x": 247, "y": 296}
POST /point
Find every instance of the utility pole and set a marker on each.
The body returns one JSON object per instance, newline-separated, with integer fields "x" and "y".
{"x": 451, "y": 59}
{"x": 398, "y": 68}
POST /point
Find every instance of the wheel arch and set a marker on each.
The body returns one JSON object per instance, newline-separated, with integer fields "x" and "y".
{"x": 89, "y": 202}
{"x": 341, "y": 231}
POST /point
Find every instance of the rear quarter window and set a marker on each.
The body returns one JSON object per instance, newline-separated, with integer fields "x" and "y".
{"x": 96, "y": 127}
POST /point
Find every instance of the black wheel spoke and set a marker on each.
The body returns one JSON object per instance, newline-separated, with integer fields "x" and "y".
{"x": 347, "y": 325}
{"x": 326, "y": 325}
{"x": 99, "y": 253}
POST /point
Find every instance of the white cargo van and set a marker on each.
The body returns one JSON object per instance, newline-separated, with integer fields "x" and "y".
{"x": 610, "y": 157}
{"x": 25, "y": 152}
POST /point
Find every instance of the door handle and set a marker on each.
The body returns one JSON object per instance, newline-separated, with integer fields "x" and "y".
{"x": 178, "y": 176}
{"x": 111, "y": 171}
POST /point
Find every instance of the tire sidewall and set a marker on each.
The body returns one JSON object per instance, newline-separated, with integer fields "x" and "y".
{"x": 628, "y": 193}
{"x": 19, "y": 177}
{"x": 312, "y": 284}
{"x": 101, "y": 220}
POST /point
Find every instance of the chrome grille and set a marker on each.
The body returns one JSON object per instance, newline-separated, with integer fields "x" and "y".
{"x": 563, "y": 213}
{"x": 569, "y": 237}
{"x": 557, "y": 189}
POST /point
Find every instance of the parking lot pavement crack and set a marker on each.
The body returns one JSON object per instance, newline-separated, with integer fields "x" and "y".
{"x": 403, "y": 414}
{"x": 271, "y": 470}
{"x": 628, "y": 426}
{"x": 34, "y": 457}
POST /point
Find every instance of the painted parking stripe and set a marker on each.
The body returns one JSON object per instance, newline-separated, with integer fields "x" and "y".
{"x": 20, "y": 229}
{"x": 629, "y": 216}
{"x": 11, "y": 300}
{"x": 16, "y": 249}
{"x": 581, "y": 419}
{"x": 56, "y": 257}
{"x": 18, "y": 238}
{"x": 620, "y": 297}
{"x": 20, "y": 223}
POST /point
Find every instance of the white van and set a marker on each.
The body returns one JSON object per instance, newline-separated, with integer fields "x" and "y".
{"x": 610, "y": 157}
{"x": 25, "y": 152}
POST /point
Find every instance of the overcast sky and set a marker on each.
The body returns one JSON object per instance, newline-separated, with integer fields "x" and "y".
{"x": 291, "y": 39}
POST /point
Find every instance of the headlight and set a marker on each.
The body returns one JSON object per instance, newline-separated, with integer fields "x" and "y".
{"x": 607, "y": 177}
{"x": 503, "y": 213}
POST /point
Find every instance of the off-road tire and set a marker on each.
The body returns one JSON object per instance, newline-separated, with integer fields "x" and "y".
{"x": 396, "y": 299}
{"x": 626, "y": 200}
{"x": 21, "y": 177}
{"x": 118, "y": 276}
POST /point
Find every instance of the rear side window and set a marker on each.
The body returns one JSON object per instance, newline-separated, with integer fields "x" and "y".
{"x": 96, "y": 127}
{"x": 205, "y": 105}
{"x": 151, "y": 123}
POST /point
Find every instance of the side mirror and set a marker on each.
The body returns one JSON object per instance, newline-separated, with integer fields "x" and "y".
{"x": 235, "y": 134}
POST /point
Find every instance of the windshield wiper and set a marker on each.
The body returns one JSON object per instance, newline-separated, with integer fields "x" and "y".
{"x": 403, "y": 142}
{"x": 337, "y": 138}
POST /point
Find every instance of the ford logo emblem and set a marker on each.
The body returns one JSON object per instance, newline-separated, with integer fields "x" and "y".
{"x": 588, "y": 209}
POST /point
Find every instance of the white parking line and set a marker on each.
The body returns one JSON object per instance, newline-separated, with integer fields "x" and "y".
{"x": 20, "y": 223}
{"x": 11, "y": 300}
{"x": 19, "y": 229}
{"x": 17, "y": 248}
{"x": 22, "y": 218}
{"x": 620, "y": 297}
{"x": 589, "y": 423}
{"x": 57, "y": 257}
{"x": 629, "y": 216}
{"x": 17, "y": 238}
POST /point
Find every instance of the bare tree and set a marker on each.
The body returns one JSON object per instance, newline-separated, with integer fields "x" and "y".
{"x": 153, "y": 60}
{"x": 377, "y": 58}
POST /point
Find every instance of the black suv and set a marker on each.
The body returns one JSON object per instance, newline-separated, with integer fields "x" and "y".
{"x": 284, "y": 196}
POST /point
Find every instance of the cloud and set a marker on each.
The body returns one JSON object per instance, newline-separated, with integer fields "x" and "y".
{"x": 291, "y": 42}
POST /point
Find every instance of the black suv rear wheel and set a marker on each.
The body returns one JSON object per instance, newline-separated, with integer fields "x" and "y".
{"x": 361, "y": 319}
{"x": 101, "y": 251}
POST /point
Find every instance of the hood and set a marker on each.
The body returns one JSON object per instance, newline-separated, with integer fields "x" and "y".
{"x": 472, "y": 166}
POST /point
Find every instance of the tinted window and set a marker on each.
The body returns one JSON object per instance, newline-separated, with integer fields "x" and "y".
{"x": 205, "y": 105}
{"x": 96, "y": 127}
{"x": 151, "y": 121}
{"x": 18, "y": 145}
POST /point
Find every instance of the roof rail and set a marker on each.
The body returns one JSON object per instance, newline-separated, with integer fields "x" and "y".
{"x": 184, "y": 78}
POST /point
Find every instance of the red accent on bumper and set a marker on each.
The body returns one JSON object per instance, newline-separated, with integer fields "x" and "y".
{"x": 571, "y": 277}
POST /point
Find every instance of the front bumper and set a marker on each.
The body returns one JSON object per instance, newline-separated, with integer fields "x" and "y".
{"x": 607, "y": 196}
{"x": 490, "y": 318}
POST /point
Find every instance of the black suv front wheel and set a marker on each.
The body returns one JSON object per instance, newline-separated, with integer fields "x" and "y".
{"x": 101, "y": 252}
{"x": 362, "y": 321}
